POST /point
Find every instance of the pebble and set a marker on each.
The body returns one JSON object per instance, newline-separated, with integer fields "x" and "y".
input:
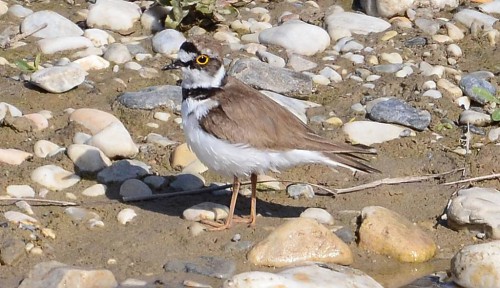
{"x": 61, "y": 44}
{"x": 87, "y": 52}
{"x": 476, "y": 208}
{"x": 268, "y": 183}
{"x": 23, "y": 205}
{"x": 346, "y": 23}
{"x": 474, "y": 118}
{"x": 18, "y": 217}
{"x": 186, "y": 182}
{"x": 318, "y": 214}
{"x": 392, "y": 58}
{"x": 154, "y": 181}
{"x": 468, "y": 16}
{"x": 122, "y": 170}
{"x": 196, "y": 229}
{"x": 126, "y": 215}
{"x": 93, "y": 119}
{"x": 168, "y": 41}
{"x": 270, "y": 58}
{"x": 206, "y": 211}
{"x": 56, "y": 274}
{"x": 92, "y": 62}
{"x": 159, "y": 140}
{"x": 368, "y": 133}
{"x": 95, "y": 190}
{"x": 454, "y": 50}
{"x": 492, "y": 7}
{"x": 8, "y": 108}
{"x": 494, "y": 134}
{"x": 310, "y": 276}
{"x": 13, "y": 156}
{"x": 266, "y": 77}
{"x": 428, "y": 85}
{"x": 416, "y": 41}
{"x": 117, "y": 53}
{"x": 297, "y": 241}
{"x": 405, "y": 71}
{"x": 134, "y": 188}
{"x": 59, "y": 79}
{"x": 114, "y": 141}
{"x": 98, "y": 37}
{"x": 216, "y": 267}
{"x": 57, "y": 25}
{"x": 19, "y": 11}
{"x": 38, "y": 122}
{"x": 20, "y": 191}
{"x": 331, "y": 74}
{"x": 87, "y": 159}
{"x": 478, "y": 89}
{"x": 387, "y": 68}
{"x": 450, "y": 89}
{"x": 454, "y": 32}
{"x": 432, "y": 93}
{"x": 477, "y": 265}
{"x": 428, "y": 26}
{"x": 299, "y": 64}
{"x": 182, "y": 156}
{"x": 114, "y": 15}
{"x": 167, "y": 96}
{"x": 297, "y": 37}
{"x": 54, "y": 177}
{"x": 398, "y": 112}
{"x": 386, "y": 232}
{"x": 132, "y": 66}
{"x": 162, "y": 116}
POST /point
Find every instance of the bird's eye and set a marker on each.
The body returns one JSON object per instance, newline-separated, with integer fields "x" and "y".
{"x": 202, "y": 59}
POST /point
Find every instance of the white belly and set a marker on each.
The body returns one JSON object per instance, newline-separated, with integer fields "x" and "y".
{"x": 236, "y": 159}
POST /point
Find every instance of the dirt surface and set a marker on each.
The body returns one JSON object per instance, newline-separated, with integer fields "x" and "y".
{"x": 159, "y": 234}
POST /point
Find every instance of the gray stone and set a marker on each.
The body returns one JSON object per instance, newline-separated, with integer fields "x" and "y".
{"x": 122, "y": 170}
{"x": 478, "y": 89}
{"x": 474, "y": 118}
{"x": 469, "y": 16}
{"x": 59, "y": 79}
{"x": 478, "y": 209}
{"x": 416, "y": 41}
{"x": 19, "y": 11}
{"x": 205, "y": 265}
{"x": 345, "y": 234}
{"x": 57, "y": 25}
{"x": 117, "y": 53}
{"x": 54, "y": 274}
{"x": 187, "y": 182}
{"x": 153, "y": 97}
{"x": 297, "y": 37}
{"x": 387, "y": 68}
{"x": 11, "y": 250}
{"x": 435, "y": 280}
{"x": 428, "y": 26}
{"x": 134, "y": 188}
{"x": 168, "y": 41}
{"x": 159, "y": 139}
{"x": 297, "y": 190}
{"x": 266, "y": 77}
{"x": 399, "y": 112}
{"x": 270, "y": 58}
{"x": 299, "y": 63}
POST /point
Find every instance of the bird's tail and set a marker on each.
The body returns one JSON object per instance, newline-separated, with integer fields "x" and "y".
{"x": 351, "y": 161}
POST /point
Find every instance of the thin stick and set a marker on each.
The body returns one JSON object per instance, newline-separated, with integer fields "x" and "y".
{"x": 211, "y": 189}
{"x": 46, "y": 202}
{"x": 21, "y": 36}
{"x": 397, "y": 180}
{"x": 480, "y": 178}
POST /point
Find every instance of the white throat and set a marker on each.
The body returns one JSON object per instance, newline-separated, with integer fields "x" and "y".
{"x": 195, "y": 78}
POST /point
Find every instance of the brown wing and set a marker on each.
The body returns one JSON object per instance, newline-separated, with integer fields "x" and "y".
{"x": 267, "y": 125}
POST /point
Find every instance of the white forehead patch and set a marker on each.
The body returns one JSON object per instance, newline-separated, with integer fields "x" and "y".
{"x": 185, "y": 56}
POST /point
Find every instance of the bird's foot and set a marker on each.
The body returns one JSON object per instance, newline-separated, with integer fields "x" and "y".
{"x": 216, "y": 226}
{"x": 245, "y": 219}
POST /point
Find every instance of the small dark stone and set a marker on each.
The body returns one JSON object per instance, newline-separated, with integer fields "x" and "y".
{"x": 345, "y": 234}
{"x": 476, "y": 88}
{"x": 152, "y": 97}
{"x": 475, "y": 130}
{"x": 399, "y": 112}
{"x": 436, "y": 280}
{"x": 416, "y": 41}
{"x": 122, "y": 170}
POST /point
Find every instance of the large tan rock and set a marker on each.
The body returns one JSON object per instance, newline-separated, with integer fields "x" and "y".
{"x": 298, "y": 241}
{"x": 182, "y": 156}
{"x": 386, "y": 232}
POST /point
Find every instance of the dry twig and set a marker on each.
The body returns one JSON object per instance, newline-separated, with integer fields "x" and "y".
{"x": 43, "y": 202}
{"x": 390, "y": 181}
{"x": 480, "y": 178}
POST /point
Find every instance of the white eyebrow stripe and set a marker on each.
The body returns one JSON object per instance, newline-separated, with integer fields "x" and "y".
{"x": 185, "y": 56}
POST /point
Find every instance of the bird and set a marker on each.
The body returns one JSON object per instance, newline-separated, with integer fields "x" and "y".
{"x": 239, "y": 132}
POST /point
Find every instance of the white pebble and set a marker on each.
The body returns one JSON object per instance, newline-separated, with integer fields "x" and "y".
{"x": 392, "y": 58}
{"x": 126, "y": 215}
{"x": 429, "y": 85}
{"x": 18, "y": 217}
{"x": 432, "y": 93}
{"x": 206, "y": 211}
{"x": 13, "y": 156}
{"x": 95, "y": 190}
{"x": 25, "y": 206}
{"x": 54, "y": 177}
{"x": 320, "y": 79}
{"x": 87, "y": 159}
{"x": 59, "y": 79}
{"x": 20, "y": 191}
{"x": 454, "y": 51}
{"x": 162, "y": 116}
{"x": 92, "y": 62}
{"x": 320, "y": 215}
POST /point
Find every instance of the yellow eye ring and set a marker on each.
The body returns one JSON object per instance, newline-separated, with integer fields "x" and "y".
{"x": 202, "y": 59}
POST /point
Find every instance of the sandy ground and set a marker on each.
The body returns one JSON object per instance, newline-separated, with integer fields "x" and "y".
{"x": 158, "y": 234}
